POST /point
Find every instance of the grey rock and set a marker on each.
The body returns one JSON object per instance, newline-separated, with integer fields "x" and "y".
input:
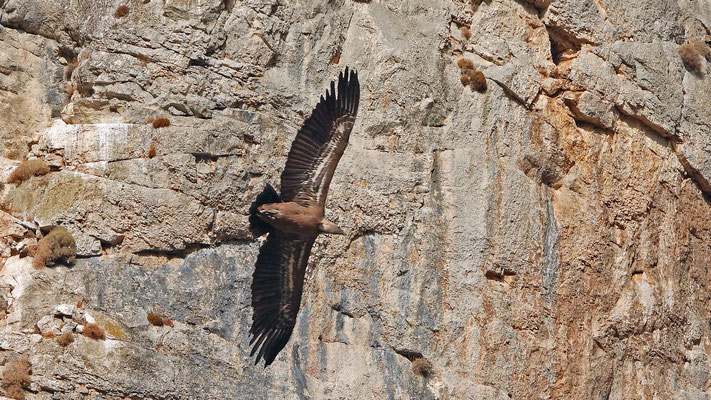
{"x": 65, "y": 310}
{"x": 50, "y": 324}
{"x": 546, "y": 238}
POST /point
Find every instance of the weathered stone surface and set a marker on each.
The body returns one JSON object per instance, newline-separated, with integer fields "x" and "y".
{"x": 30, "y": 90}
{"x": 547, "y": 238}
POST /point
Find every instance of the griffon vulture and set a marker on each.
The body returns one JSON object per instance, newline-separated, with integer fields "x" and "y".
{"x": 294, "y": 219}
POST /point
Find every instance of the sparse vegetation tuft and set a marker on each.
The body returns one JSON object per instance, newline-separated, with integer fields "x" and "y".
{"x": 478, "y": 81}
{"x": 691, "y": 56}
{"x": 57, "y": 245}
{"x": 94, "y": 331}
{"x": 152, "y": 151}
{"x": 65, "y": 339}
{"x": 702, "y": 48}
{"x": 15, "y": 377}
{"x": 161, "y": 122}
{"x": 27, "y": 169}
{"x": 69, "y": 69}
{"x": 155, "y": 319}
{"x": 159, "y": 320}
{"x": 121, "y": 11}
{"x": 466, "y": 32}
{"x": 471, "y": 76}
{"x": 422, "y": 367}
{"x": 465, "y": 64}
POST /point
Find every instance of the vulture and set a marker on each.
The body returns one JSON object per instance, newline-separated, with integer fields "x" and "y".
{"x": 293, "y": 219}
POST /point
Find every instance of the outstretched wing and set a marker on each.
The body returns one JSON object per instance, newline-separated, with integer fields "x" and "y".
{"x": 320, "y": 143}
{"x": 276, "y": 292}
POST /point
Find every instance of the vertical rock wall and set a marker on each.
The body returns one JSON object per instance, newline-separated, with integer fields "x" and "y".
{"x": 548, "y": 238}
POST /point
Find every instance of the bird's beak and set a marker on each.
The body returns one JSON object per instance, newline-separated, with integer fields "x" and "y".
{"x": 327, "y": 226}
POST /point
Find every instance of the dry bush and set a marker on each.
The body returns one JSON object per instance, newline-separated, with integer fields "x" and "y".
{"x": 155, "y": 319}
{"x": 66, "y": 339}
{"x": 478, "y": 81}
{"x": 15, "y": 392}
{"x": 15, "y": 377}
{"x": 41, "y": 254}
{"x": 58, "y": 245}
{"x": 69, "y": 69}
{"x": 152, "y": 151}
{"x": 691, "y": 57}
{"x": 94, "y": 331}
{"x": 465, "y": 64}
{"x": 27, "y": 169}
{"x": 470, "y": 75}
{"x": 159, "y": 320}
{"x": 161, "y": 122}
{"x": 702, "y": 48}
{"x": 422, "y": 367}
{"x": 121, "y": 11}
{"x": 466, "y": 32}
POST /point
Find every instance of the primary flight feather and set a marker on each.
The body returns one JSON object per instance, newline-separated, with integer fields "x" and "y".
{"x": 293, "y": 220}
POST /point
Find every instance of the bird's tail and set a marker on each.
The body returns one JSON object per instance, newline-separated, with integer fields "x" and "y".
{"x": 256, "y": 224}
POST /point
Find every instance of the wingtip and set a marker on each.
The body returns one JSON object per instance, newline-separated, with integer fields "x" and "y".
{"x": 349, "y": 74}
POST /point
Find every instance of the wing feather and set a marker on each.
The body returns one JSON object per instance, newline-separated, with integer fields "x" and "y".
{"x": 320, "y": 143}
{"x": 277, "y": 284}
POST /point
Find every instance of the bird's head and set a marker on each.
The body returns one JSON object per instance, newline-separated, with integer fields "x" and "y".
{"x": 326, "y": 226}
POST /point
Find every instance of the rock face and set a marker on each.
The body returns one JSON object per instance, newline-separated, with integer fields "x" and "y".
{"x": 549, "y": 238}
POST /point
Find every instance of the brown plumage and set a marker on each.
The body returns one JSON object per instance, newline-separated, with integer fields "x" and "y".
{"x": 294, "y": 219}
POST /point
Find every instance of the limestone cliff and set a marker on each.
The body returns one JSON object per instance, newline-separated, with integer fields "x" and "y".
{"x": 548, "y": 237}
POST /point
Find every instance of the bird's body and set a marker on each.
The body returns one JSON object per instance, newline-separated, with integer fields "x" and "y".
{"x": 292, "y": 218}
{"x": 295, "y": 218}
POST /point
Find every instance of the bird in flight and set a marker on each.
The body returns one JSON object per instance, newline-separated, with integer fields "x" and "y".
{"x": 293, "y": 219}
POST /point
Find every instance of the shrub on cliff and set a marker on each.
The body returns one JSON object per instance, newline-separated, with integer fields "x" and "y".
{"x": 15, "y": 377}
{"x": 159, "y": 320}
{"x": 478, "y": 81}
{"x": 58, "y": 245}
{"x": 422, "y": 367}
{"x": 94, "y": 331}
{"x": 471, "y": 76}
{"x": 66, "y": 339}
{"x": 702, "y": 48}
{"x": 161, "y": 122}
{"x": 27, "y": 169}
{"x": 691, "y": 56}
{"x": 121, "y": 11}
{"x": 155, "y": 319}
